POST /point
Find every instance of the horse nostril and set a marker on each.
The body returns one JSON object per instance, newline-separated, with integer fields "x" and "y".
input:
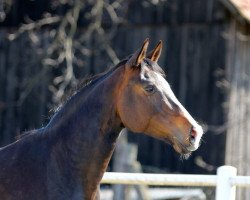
{"x": 193, "y": 134}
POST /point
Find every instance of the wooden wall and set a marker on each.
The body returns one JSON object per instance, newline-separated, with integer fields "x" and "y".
{"x": 238, "y": 123}
{"x": 24, "y": 93}
{"x": 193, "y": 57}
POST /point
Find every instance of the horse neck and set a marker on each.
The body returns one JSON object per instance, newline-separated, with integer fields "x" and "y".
{"x": 87, "y": 128}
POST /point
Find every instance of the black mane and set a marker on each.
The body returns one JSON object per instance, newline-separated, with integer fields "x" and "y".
{"x": 87, "y": 82}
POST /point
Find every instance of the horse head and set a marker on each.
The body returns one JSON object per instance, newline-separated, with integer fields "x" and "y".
{"x": 146, "y": 103}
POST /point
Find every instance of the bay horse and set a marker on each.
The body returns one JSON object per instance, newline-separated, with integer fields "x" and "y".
{"x": 66, "y": 159}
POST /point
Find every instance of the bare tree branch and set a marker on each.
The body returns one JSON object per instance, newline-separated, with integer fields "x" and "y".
{"x": 65, "y": 42}
{"x": 34, "y": 25}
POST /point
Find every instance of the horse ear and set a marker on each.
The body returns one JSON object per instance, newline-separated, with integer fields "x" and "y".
{"x": 155, "y": 54}
{"x": 139, "y": 55}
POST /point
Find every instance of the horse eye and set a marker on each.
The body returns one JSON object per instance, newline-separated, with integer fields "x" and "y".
{"x": 150, "y": 89}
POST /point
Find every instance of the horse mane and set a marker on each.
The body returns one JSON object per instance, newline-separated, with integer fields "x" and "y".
{"x": 27, "y": 133}
{"x": 84, "y": 83}
{"x": 87, "y": 81}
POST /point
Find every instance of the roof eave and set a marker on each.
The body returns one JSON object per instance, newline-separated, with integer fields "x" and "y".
{"x": 238, "y": 13}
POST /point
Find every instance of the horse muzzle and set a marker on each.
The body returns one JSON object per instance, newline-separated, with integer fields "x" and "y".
{"x": 192, "y": 143}
{"x": 195, "y": 135}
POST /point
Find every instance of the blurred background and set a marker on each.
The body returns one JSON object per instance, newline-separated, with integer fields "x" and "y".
{"x": 47, "y": 46}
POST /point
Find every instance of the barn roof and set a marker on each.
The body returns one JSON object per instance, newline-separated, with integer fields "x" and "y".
{"x": 240, "y": 8}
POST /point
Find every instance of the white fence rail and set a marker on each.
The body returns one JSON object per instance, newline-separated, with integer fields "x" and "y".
{"x": 225, "y": 181}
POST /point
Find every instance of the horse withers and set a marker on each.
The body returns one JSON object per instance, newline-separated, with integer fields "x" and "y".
{"x": 67, "y": 158}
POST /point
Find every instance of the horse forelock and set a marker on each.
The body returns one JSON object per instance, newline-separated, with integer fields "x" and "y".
{"x": 154, "y": 66}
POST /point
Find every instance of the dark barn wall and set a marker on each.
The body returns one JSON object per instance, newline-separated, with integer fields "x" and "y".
{"x": 193, "y": 55}
{"x": 24, "y": 93}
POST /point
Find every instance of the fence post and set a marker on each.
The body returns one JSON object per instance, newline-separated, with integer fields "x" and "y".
{"x": 224, "y": 189}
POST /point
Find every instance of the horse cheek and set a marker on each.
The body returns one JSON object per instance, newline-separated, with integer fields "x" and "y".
{"x": 130, "y": 110}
